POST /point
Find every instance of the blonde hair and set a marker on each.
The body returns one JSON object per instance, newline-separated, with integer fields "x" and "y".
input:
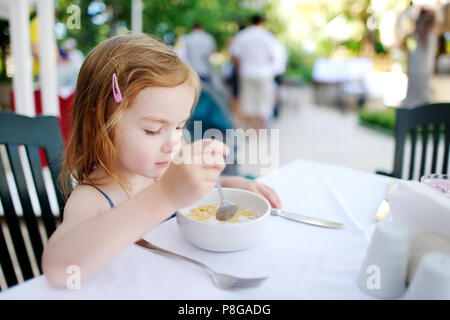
{"x": 139, "y": 61}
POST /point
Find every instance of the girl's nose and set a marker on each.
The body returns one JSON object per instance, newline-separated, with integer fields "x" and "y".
{"x": 170, "y": 145}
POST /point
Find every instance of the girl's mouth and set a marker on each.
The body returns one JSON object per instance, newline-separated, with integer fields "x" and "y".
{"x": 162, "y": 164}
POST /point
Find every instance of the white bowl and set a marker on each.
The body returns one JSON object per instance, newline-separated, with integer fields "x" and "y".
{"x": 225, "y": 237}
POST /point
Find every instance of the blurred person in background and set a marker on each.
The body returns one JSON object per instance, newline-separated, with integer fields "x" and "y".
{"x": 35, "y": 39}
{"x": 198, "y": 47}
{"x": 75, "y": 56}
{"x": 232, "y": 76}
{"x": 280, "y": 68}
{"x": 256, "y": 52}
{"x": 69, "y": 64}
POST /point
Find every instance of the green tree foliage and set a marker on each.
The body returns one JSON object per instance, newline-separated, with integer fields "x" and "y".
{"x": 96, "y": 25}
{"x": 165, "y": 19}
{"x": 170, "y": 19}
{"x": 308, "y": 28}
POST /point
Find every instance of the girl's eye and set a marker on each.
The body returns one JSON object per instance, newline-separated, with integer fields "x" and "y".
{"x": 152, "y": 133}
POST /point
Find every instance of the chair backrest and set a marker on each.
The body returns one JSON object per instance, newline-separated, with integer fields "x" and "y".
{"x": 39, "y": 136}
{"x": 212, "y": 109}
{"x": 425, "y": 121}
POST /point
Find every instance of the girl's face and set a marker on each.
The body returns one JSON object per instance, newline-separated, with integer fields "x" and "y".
{"x": 150, "y": 129}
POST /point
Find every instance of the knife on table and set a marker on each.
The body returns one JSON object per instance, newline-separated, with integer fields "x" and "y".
{"x": 306, "y": 219}
{"x": 384, "y": 207}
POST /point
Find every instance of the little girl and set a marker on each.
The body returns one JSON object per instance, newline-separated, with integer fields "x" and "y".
{"x": 133, "y": 97}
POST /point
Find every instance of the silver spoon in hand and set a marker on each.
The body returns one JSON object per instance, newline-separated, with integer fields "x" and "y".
{"x": 227, "y": 210}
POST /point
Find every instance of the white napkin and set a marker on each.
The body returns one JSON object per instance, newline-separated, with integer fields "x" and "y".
{"x": 420, "y": 209}
{"x": 426, "y": 215}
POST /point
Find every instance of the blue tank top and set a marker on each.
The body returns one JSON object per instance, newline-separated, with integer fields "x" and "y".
{"x": 112, "y": 204}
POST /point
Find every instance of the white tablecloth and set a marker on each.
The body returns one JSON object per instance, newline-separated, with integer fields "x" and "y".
{"x": 301, "y": 261}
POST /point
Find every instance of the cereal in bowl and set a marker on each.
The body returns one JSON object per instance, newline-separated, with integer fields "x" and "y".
{"x": 208, "y": 213}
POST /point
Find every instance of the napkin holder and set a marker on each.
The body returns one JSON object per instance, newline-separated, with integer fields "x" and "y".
{"x": 424, "y": 216}
{"x": 385, "y": 266}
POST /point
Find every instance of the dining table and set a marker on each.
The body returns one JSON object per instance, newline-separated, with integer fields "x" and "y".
{"x": 300, "y": 261}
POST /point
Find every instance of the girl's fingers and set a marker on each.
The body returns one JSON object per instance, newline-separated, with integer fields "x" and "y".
{"x": 275, "y": 194}
{"x": 211, "y": 146}
{"x": 205, "y": 146}
{"x": 271, "y": 195}
{"x": 214, "y": 161}
{"x": 211, "y": 174}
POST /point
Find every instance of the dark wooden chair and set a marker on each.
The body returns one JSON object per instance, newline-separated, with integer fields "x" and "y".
{"x": 428, "y": 122}
{"x": 38, "y": 133}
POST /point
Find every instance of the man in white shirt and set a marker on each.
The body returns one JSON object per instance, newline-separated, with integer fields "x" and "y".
{"x": 259, "y": 56}
{"x": 198, "y": 46}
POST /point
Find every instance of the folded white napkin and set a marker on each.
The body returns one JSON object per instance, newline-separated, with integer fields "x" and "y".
{"x": 426, "y": 215}
{"x": 419, "y": 226}
{"x": 420, "y": 209}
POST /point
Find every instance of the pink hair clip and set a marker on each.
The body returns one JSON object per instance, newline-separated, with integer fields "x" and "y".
{"x": 116, "y": 90}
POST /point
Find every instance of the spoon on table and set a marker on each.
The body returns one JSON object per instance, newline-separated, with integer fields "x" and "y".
{"x": 227, "y": 210}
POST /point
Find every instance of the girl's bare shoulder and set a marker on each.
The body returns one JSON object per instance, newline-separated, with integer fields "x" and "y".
{"x": 85, "y": 202}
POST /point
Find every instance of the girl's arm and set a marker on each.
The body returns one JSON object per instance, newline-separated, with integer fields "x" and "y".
{"x": 89, "y": 238}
